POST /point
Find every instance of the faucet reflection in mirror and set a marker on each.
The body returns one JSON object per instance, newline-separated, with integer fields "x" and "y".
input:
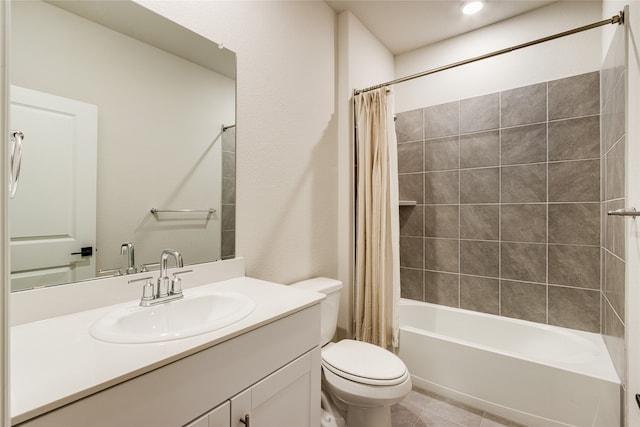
{"x": 128, "y": 250}
{"x": 189, "y": 99}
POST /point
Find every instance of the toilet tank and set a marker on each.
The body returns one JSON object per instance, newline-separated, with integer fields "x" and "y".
{"x": 328, "y": 307}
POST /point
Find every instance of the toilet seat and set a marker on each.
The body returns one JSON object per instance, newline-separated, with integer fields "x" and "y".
{"x": 364, "y": 363}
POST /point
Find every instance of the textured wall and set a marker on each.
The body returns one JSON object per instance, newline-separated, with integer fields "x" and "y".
{"x": 286, "y": 138}
{"x": 508, "y": 210}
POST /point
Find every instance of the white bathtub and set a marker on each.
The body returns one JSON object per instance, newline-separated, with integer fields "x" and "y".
{"x": 534, "y": 374}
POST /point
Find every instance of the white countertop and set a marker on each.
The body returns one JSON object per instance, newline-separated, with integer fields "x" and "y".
{"x": 56, "y": 361}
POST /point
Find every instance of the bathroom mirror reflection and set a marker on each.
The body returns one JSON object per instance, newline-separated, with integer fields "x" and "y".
{"x": 122, "y": 112}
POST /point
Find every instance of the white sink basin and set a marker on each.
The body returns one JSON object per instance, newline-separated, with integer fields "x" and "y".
{"x": 194, "y": 314}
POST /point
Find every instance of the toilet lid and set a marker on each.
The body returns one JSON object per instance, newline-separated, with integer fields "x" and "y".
{"x": 364, "y": 363}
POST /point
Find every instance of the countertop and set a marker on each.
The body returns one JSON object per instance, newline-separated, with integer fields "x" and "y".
{"x": 56, "y": 361}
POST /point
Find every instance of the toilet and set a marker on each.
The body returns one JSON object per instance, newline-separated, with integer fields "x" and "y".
{"x": 360, "y": 381}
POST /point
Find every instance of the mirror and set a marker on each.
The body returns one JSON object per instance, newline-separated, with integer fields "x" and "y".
{"x": 122, "y": 111}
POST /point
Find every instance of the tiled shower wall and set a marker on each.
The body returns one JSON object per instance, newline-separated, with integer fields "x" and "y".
{"x": 228, "y": 223}
{"x": 613, "y": 139}
{"x": 507, "y": 192}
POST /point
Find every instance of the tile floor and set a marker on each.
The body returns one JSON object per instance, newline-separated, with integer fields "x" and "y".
{"x": 424, "y": 409}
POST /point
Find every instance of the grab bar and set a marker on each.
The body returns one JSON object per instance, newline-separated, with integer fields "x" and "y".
{"x": 209, "y": 211}
{"x": 632, "y": 212}
{"x": 15, "y": 159}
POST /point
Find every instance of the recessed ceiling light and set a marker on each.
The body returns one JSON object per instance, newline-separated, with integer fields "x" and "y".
{"x": 472, "y": 6}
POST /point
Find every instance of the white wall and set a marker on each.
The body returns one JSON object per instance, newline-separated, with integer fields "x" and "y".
{"x": 363, "y": 61}
{"x": 161, "y": 107}
{"x": 287, "y": 162}
{"x": 564, "y": 57}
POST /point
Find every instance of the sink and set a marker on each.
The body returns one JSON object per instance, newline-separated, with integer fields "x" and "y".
{"x": 194, "y": 314}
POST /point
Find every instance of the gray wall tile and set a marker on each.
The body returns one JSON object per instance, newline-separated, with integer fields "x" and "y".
{"x": 441, "y": 221}
{"x": 411, "y": 252}
{"x": 480, "y": 113}
{"x": 480, "y": 294}
{"x": 442, "y": 154}
{"x": 574, "y": 223}
{"x": 577, "y": 266}
{"x": 411, "y": 221}
{"x": 229, "y": 140}
{"x": 441, "y": 288}
{"x": 524, "y": 223}
{"x": 480, "y": 185}
{"x": 614, "y": 237}
{"x": 614, "y": 282}
{"x": 524, "y": 105}
{"x": 523, "y": 261}
{"x": 441, "y": 254}
{"x": 409, "y": 126}
{"x": 574, "y": 181}
{"x": 573, "y": 139}
{"x": 574, "y": 96}
{"x": 442, "y": 120}
{"x": 615, "y": 171}
{"x": 479, "y": 258}
{"x": 411, "y": 187}
{"x": 411, "y": 157}
{"x": 228, "y": 191}
{"x": 480, "y": 149}
{"x": 527, "y": 301}
{"x": 228, "y": 246}
{"x": 441, "y": 187}
{"x": 574, "y": 308}
{"x": 228, "y": 164}
{"x": 524, "y": 144}
{"x": 228, "y": 222}
{"x": 526, "y": 183}
{"x": 613, "y": 116}
{"x": 412, "y": 284}
{"x": 480, "y": 222}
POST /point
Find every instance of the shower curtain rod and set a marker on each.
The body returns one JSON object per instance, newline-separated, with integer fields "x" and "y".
{"x": 617, "y": 19}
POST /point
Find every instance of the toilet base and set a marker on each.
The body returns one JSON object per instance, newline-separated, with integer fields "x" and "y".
{"x": 369, "y": 417}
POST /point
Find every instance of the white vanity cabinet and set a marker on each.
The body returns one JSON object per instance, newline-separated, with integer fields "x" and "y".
{"x": 218, "y": 417}
{"x": 271, "y": 372}
{"x": 281, "y": 399}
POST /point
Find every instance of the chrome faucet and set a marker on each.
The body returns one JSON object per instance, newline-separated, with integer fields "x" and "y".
{"x": 127, "y": 248}
{"x": 166, "y": 289}
{"x": 164, "y": 281}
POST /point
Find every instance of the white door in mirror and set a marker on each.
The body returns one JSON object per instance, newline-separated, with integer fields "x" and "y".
{"x": 53, "y": 215}
{"x": 195, "y": 314}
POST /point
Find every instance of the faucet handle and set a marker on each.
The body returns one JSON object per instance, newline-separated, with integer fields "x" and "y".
{"x": 113, "y": 271}
{"x": 176, "y": 282}
{"x": 144, "y": 268}
{"x": 147, "y": 289}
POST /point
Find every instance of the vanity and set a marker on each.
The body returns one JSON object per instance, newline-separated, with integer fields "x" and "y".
{"x": 262, "y": 370}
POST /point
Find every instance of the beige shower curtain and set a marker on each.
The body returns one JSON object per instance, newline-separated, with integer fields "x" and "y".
{"x": 377, "y": 285}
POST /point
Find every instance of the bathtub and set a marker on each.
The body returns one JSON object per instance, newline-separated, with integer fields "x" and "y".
{"x": 534, "y": 374}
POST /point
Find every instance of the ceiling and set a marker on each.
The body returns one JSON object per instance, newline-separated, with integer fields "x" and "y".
{"x": 403, "y": 25}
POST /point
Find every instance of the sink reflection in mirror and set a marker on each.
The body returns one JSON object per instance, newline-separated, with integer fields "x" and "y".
{"x": 130, "y": 124}
{"x": 195, "y": 314}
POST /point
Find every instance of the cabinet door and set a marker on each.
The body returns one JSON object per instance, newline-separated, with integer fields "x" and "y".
{"x": 218, "y": 417}
{"x": 221, "y": 416}
{"x": 286, "y": 398}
